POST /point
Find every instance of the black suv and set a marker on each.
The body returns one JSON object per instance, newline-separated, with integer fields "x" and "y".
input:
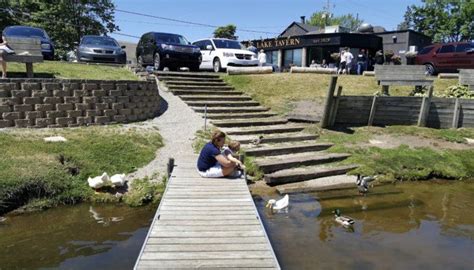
{"x": 167, "y": 50}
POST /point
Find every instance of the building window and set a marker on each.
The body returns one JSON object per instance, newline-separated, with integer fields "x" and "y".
{"x": 292, "y": 57}
{"x": 272, "y": 58}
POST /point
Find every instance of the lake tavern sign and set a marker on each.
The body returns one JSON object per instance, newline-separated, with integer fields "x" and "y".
{"x": 278, "y": 43}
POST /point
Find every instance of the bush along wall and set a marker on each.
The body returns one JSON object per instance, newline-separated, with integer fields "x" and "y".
{"x": 40, "y": 103}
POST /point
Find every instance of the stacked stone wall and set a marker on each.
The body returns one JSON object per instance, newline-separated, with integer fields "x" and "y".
{"x": 40, "y": 103}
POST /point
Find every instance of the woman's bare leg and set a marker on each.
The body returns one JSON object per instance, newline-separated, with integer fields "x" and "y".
{"x": 226, "y": 171}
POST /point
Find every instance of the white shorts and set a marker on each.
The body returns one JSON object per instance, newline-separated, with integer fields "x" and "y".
{"x": 213, "y": 172}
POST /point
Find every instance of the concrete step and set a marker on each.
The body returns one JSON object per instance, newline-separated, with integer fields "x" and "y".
{"x": 215, "y": 98}
{"x": 273, "y": 164}
{"x": 249, "y": 122}
{"x": 276, "y": 138}
{"x": 178, "y": 83}
{"x": 264, "y": 130}
{"x": 186, "y": 74}
{"x": 188, "y": 79}
{"x": 222, "y": 103}
{"x": 275, "y": 150}
{"x": 305, "y": 173}
{"x": 218, "y": 116}
{"x": 199, "y": 87}
{"x": 205, "y": 92}
{"x": 335, "y": 182}
{"x": 230, "y": 109}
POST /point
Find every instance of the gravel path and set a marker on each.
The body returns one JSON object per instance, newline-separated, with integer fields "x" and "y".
{"x": 177, "y": 125}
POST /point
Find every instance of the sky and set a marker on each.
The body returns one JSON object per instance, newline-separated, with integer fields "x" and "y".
{"x": 271, "y": 16}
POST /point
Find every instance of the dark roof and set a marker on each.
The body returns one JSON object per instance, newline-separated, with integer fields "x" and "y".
{"x": 304, "y": 26}
{"x": 401, "y": 31}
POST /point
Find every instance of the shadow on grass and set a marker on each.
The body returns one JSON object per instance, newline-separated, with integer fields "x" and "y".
{"x": 13, "y": 75}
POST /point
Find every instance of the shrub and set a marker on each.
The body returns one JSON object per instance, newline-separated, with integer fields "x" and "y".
{"x": 458, "y": 91}
{"x": 396, "y": 59}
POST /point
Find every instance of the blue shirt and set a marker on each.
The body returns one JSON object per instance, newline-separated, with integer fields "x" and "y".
{"x": 207, "y": 157}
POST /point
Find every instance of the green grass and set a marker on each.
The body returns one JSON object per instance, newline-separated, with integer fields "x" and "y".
{"x": 32, "y": 172}
{"x": 450, "y": 135}
{"x": 65, "y": 70}
{"x": 278, "y": 90}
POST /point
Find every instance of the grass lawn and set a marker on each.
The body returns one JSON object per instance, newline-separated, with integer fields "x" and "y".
{"x": 33, "y": 175}
{"x": 65, "y": 70}
{"x": 278, "y": 90}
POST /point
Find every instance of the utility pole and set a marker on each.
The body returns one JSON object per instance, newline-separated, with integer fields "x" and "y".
{"x": 327, "y": 12}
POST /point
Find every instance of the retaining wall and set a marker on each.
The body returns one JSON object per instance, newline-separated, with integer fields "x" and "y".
{"x": 43, "y": 103}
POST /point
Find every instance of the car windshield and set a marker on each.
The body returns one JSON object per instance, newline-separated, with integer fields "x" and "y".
{"x": 227, "y": 44}
{"x": 99, "y": 41}
{"x": 171, "y": 39}
{"x": 25, "y": 32}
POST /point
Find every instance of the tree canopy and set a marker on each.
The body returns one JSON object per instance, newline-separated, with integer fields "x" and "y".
{"x": 321, "y": 19}
{"x": 442, "y": 20}
{"x": 65, "y": 21}
{"x": 227, "y": 31}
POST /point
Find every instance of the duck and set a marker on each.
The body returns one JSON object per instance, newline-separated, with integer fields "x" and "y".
{"x": 280, "y": 204}
{"x": 257, "y": 140}
{"x": 98, "y": 181}
{"x": 362, "y": 183}
{"x": 118, "y": 180}
{"x": 343, "y": 220}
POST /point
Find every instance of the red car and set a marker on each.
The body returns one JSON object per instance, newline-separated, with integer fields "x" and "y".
{"x": 446, "y": 57}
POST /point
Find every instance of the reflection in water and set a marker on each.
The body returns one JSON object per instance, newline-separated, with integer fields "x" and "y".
{"x": 75, "y": 237}
{"x": 409, "y": 225}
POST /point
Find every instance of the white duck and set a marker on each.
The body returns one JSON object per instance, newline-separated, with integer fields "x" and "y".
{"x": 280, "y": 204}
{"x": 118, "y": 180}
{"x": 343, "y": 220}
{"x": 98, "y": 181}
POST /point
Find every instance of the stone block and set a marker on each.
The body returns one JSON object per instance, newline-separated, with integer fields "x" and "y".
{"x": 61, "y": 93}
{"x": 7, "y": 86}
{"x": 150, "y": 115}
{"x": 11, "y": 115}
{"x": 108, "y": 99}
{"x": 89, "y": 100}
{"x": 44, "y": 107}
{"x": 52, "y": 86}
{"x": 142, "y": 116}
{"x": 93, "y": 113}
{"x": 101, "y": 119}
{"x": 120, "y": 118}
{"x": 5, "y": 93}
{"x": 55, "y": 114}
{"x": 98, "y": 93}
{"x": 22, "y": 108}
{"x": 121, "y": 86}
{"x": 52, "y": 100}
{"x": 11, "y": 101}
{"x": 123, "y": 99}
{"x": 115, "y": 93}
{"x": 70, "y": 86}
{"x": 5, "y": 108}
{"x": 33, "y": 115}
{"x": 140, "y": 93}
{"x": 40, "y": 93}
{"x": 125, "y": 112}
{"x": 80, "y": 93}
{"x": 100, "y": 106}
{"x": 28, "y": 86}
{"x": 64, "y": 107}
{"x": 65, "y": 121}
{"x": 72, "y": 100}
{"x": 21, "y": 93}
{"x": 83, "y": 120}
{"x": 132, "y": 117}
{"x": 117, "y": 106}
{"x": 82, "y": 106}
{"x": 107, "y": 86}
{"x": 133, "y": 86}
{"x": 142, "y": 86}
{"x": 73, "y": 125}
{"x": 152, "y": 87}
{"x": 44, "y": 122}
{"x": 6, "y": 123}
{"x": 131, "y": 105}
{"x": 110, "y": 112}
{"x": 130, "y": 93}
{"x": 90, "y": 86}
{"x": 22, "y": 123}
{"x": 74, "y": 114}
{"x": 32, "y": 100}
{"x": 137, "y": 111}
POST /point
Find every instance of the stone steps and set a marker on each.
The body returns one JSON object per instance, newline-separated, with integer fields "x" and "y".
{"x": 249, "y": 122}
{"x": 306, "y": 173}
{"x": 200, "y": 87}
{"x": 230, "y": 109}
{"x": 180, "y": 92}
{"x": 276, "y": 150}
{"x": 264, "y": 130}
{"x": 181, "y": 83}
{"x": 276, "y": 138}
{"x": 222, "y": 103}
{"x": 214, "y": 98}
{"x": 320, "y": 184}
{"x": 186, "y": 74}
{"x": 272, "y": 164}
{"x": 167, "y": 79}
{"x": 219, "y": 116}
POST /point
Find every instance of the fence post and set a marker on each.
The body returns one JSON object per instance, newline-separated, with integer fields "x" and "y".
{"x": 329, "y": 102}
{"x": 456, "y": 114}
{"x": 335, "y": 106}
{"x": 372, "y": 111}
{"x": 425, "y": 108}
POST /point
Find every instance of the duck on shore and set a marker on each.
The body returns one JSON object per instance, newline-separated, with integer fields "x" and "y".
{"x": 362, "y": 183}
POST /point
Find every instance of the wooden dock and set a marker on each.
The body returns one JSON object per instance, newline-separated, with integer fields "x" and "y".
{"x": 206, "y": 223}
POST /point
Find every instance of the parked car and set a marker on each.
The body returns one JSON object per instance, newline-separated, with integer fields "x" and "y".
{"x": 47, "y": 46}
{"x": 447, "y": 57}
{"x": 167, "y": 50}
{"x": 219, "y": 53}
{"x": 101, "y": 49}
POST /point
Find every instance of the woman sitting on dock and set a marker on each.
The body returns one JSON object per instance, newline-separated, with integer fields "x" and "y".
{"x": 211, "y": 163}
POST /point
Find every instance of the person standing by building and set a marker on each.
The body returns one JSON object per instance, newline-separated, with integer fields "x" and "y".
{"x": 361, "y": 62}
{"x": 342, "y": 64}
{"x": 262, "y": 58}
{"x": 349, "y": 57}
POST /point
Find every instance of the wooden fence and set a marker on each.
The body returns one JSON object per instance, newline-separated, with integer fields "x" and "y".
{"x": 385, "y": 110}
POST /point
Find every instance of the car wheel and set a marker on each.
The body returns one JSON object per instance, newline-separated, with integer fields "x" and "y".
{"x": 217, "y": 65}
{"x": 157, "y": 61}
{"x": 430, "y": 70}
{"x": 140, "y": 61}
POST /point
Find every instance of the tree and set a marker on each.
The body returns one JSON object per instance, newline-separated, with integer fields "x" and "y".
{"x": 322, "y": 19}
{"x": 227, "y": 31}
{"x": 66, "y": 21}
{"x": 442, "y": 20}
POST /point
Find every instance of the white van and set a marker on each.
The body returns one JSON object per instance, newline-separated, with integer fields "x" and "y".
{"x": 218, "y": 53}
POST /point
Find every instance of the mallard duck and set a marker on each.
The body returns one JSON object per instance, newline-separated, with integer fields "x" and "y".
{"x": 343, "y": 220}
{"x": 257, "y": 141}
{"x": 363, "y": 183}
{"x": 98, "y": 181}
{"x": 118, "y": 180}
{"x": 280, "y": 204}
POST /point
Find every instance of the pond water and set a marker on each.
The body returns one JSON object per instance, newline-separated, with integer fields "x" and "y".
{"x": 404, "y": 226}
